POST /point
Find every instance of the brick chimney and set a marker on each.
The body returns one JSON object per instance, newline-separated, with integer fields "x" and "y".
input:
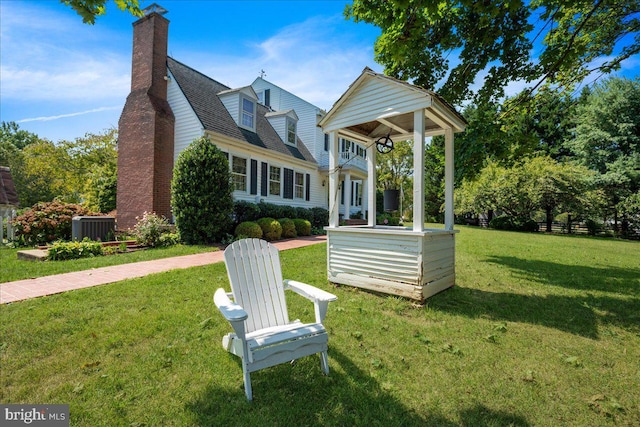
{"x": 146, "y": 126}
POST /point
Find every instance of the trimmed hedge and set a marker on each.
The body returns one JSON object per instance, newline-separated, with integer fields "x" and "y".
{"x": 271, "y": 229}
{"x": 288, "y": 228}
{"x": 248, "y": 229}
{"x": 303, "y": 227}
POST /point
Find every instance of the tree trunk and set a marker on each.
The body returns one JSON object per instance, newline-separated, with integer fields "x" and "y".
{"x": 569, "y": 223}
{"x": 549, "y": 219}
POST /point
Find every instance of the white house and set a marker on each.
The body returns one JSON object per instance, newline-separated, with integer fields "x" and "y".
{"x": 276, "y": 151}
{"x": 352, "y": 155}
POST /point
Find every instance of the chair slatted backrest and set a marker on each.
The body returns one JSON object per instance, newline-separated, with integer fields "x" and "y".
{"x": 253, "y": 266}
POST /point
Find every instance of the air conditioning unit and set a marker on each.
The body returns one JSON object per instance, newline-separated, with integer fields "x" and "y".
{"x": 94, "y": 227}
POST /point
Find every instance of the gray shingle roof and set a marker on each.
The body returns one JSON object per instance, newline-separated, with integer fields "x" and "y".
{"x": 202, "y": 94}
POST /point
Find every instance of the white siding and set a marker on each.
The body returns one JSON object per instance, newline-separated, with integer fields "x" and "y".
{"x": 231, "y": 102}
{"x": 308, "y": 131}
{"x": 392, "y": 260}
{"x": 317, "y": 191}
{"x": 376, "y": 98}
{"x": 187, "y": 124}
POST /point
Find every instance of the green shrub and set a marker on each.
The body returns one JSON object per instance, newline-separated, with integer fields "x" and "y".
{"x": 319, "y": 217}
{"x": 290, "y": 212}
{"x": 149, "y": 228}
{"x": 86, "y": 248}
{"x": 288, "y": 228}
{"x": 593, "y": 227}
{"x": 387, "y": 219}
{"x": 270, "y": 210}
{"x": 248, "y": 229}
{"x": 245, "y": 211}
{"x": 303, "y": 213}
{"x": 169, "y": 239}
{"x": 202, "y": 194}
{"x": 303, "y": 227}
{"x": 513, "y": 224}
{"x": 271, "y": 229}
{"x": 47, "y": 221}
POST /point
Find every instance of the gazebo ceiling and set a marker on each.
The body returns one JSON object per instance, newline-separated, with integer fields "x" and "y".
{"x": 397, "y": 128}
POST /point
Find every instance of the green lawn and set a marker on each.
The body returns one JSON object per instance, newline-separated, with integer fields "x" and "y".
{"x": 15, "y": 269}
{"x": 540, "y": 330}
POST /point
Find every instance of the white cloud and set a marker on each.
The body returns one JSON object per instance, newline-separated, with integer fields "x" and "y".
{"x": 64, "y": 116}
{"x": 308, "y": 59}
{"x": 79, "y": 62}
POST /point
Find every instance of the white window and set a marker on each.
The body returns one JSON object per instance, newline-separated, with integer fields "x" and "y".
{"x": 291, "y": 131}
{"x": 298, "y": 186}
{"x": 248, "y": 113}
{"x": 239, "y": 173}
{"x": 274, "y": 180}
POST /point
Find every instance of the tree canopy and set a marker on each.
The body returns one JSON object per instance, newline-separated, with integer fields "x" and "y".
{"x": 89, "y": 10}
{"x": 449, "y": 45}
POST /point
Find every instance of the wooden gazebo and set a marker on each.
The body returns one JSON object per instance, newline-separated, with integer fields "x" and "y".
{"x": 411, "y": 262}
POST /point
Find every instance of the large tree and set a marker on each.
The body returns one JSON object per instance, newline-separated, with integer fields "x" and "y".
{"x": 449, "y": 45}
{"x": 607, "y": 139}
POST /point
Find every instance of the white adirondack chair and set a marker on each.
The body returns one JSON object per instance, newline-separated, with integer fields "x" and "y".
{"x": 263, "y": 335}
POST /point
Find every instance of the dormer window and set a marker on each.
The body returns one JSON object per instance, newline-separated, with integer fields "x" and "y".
{"x": 291, "y": 131}
{"x": 248, "y": 113}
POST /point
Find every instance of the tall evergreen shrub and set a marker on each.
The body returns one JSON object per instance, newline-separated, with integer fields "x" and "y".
{"x": 201, "y": 193}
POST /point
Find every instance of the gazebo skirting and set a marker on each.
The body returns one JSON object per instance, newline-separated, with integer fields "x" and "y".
{"x": 392, "y": 260}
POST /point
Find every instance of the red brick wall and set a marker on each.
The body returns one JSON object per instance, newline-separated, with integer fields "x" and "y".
{"x": 146, "y": 128}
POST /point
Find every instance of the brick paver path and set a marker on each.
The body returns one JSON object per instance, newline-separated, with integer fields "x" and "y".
{"x": 48, "y": 285}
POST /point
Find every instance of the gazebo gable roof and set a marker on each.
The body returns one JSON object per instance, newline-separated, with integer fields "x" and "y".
{"x": 377, "y": 105}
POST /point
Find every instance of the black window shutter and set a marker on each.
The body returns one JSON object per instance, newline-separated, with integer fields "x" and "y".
{"x": 288, "y": 183}
{"x": 265, "y": 179}
{"x": 307, "y": 184}
{"x": 254, "y": 177}
{"x": 353, "y": 193}
{"x": 342, "y": 193}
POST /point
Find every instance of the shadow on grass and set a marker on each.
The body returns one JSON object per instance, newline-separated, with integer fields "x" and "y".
{"x": 606, "y": 279}
{"x": 302, "y": 396}
{"x": 576, "y": 315}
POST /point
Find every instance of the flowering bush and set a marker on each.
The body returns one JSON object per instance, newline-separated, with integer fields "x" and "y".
{"x": 47, "y": 221}
{"x": 150, "y": 228}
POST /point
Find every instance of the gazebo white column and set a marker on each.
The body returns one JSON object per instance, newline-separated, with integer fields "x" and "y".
{"x": 418, "y": 170}
{"x": 347, "y": 195}
{"x": 448, "y": 179}
{"x": 334, "y": 180}
{"x": 371, "y": 185}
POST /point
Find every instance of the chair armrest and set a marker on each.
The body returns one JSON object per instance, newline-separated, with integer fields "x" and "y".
{"x": 230, "y": 310}
{"x": 319, "y": 297}
{"x": 309, "y": 292}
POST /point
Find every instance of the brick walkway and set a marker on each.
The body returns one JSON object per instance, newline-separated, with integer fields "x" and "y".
{"x": 48, "y": 285}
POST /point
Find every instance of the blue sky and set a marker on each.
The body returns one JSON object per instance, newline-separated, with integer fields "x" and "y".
{"x": 60, "y": 78}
